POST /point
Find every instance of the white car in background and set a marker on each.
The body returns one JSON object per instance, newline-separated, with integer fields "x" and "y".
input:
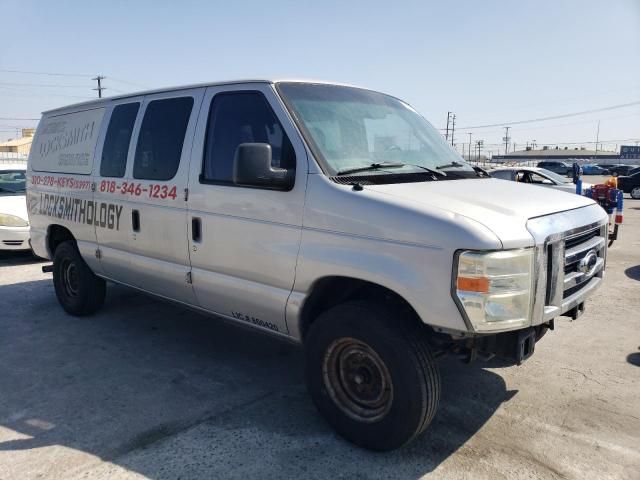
{"x": 537, "y": 176}
{"x": 14, "y": 223}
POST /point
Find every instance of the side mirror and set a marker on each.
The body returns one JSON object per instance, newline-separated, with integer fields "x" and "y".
{"x": 252, "y": 166}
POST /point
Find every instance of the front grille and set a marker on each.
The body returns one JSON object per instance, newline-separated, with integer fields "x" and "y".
{"x": 13, "y": 243}
{"x": 568, "y": 270}
{"x": 581, "y": 238}
{"x": 583, "y": 258}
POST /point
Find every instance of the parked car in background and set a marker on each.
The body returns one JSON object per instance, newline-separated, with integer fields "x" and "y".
{"x": 593, "y": 169}
{"x": 561, "y": 168}
{"x": 630, "y": 184}
{"x": 14, "y": 223}
{"x": 537, "y": 176}
{"x": 618, "y": 169}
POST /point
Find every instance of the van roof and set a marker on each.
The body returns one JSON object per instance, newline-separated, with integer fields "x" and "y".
{"x": 100, "y": 101}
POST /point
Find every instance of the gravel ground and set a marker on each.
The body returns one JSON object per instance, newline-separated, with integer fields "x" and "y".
{"x": 147, "y": 389}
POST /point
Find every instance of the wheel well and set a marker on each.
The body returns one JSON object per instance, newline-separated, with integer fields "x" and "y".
{"x": 56, "y": 235}
{"x": 331, "y": 291}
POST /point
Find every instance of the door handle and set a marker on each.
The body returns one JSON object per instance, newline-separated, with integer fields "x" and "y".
{"x": 135, "y": 220}
{"x": 196, "y": 229}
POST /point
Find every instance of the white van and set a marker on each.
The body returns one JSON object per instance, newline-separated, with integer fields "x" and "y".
{"x": 330, "y": 215}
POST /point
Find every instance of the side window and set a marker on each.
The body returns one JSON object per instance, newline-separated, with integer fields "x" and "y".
{"x": 242, "y": 117}
{"x": 161, "y": 138}
{"x": 502, "y": 174}
{"x": 535, "y": 178}
{"x": 116, "y": 143}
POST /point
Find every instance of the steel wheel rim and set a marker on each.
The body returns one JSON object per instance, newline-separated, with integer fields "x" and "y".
{"x": 357, "y": 379}
{"x": 70, "y": 278}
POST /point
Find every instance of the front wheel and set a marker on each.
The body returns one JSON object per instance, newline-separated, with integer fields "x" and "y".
{"x": 79, "y": 290}
{"x": 635, "y": 193}
{"x": 371, "y": 374}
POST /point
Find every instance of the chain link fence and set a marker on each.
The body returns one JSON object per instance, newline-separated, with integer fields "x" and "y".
{"x": 12, "y": 157}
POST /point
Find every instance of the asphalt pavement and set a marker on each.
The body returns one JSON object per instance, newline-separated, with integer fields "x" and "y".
{"x": 145, "y": 389}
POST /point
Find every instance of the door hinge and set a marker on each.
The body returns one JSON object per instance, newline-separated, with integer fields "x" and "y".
{"x": 98, "y": 253}
{"x": 186, "y": 194}
{"x": 188, "y": 278}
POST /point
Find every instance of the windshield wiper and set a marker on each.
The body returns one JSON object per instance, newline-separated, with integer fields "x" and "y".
{"x": 449, "y": 165}
{"x": 373, "y": 166}
{"x": 427, "y": 169}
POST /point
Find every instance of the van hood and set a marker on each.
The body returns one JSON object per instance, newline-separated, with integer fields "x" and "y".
{"x": 503, "y": 207}
{"x": 14, "y": 205}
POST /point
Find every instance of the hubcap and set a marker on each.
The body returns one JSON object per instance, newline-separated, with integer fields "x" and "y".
{"x": 357, "y": 380}
{"x": 635, "y": 193}
{"x": 70, "y": 278}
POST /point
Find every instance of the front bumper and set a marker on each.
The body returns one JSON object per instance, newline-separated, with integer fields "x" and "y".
{"x": 14, "y": 238}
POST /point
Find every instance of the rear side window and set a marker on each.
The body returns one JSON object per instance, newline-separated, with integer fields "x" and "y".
{"x": 116, "y": 143}
{"x": 502, "y": 174}
{"x": 161, "y": 138}
{"x": 242, "y": 117}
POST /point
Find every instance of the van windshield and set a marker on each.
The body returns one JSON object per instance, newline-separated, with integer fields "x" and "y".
{"x": 12, "y": 182}
{"x": 351, "y": 128}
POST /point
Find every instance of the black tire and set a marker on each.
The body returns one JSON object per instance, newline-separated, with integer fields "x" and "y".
{"x": 635, "y": 193}
{"x": 405, "y": 407}
{"x": 79, "y": 290}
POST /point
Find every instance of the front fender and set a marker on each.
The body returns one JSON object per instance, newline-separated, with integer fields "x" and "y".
{"x": 420, "y": 274}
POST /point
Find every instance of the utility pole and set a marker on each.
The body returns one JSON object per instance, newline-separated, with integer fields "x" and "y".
{"x": 99, "y": 79}
{"x": 469, "y": 146}
{"x": 453, "y": 128}
{"x": 597, "y": 138}
{"x": 446, "y": 135}
{"x": 506, "y": 140}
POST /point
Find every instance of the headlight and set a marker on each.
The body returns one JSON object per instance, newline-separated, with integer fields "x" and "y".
{"x": 495, "y": 288}
{"x": 12, "y": 221}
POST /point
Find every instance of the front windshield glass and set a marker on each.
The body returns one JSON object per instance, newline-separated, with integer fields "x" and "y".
{"x": 352, "y": 128}
{"x": 554, "y": 176}
{"x": 12, "y": 182}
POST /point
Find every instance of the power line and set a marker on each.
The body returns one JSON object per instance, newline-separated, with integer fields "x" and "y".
{"x": 13, "y": 84}
{"x": 59, "y": 74}
{"x": 19, "y": 119}
{"x": 553, "y": 117}
{"x": 24, "y": 93}
{"x": 53, "y": 74}
{"x": 133, "y": 84}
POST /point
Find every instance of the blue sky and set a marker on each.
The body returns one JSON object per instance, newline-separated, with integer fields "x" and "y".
{"x": 489, "y": 61}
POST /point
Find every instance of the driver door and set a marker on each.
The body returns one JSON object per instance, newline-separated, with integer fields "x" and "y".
{"x": 244, "y": 240}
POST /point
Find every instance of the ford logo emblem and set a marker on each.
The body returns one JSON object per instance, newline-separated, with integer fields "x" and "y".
{"x": 588, "y": 262}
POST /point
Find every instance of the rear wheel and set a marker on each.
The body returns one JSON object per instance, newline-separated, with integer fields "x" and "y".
{"x": 635, "y": 193}
{"x": 79, "y": 290}
{"x": 371, "y": 374}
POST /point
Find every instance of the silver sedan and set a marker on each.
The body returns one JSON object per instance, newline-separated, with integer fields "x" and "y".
{"x": 537, "y": 176}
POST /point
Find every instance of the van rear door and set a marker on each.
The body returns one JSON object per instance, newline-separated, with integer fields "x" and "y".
{"x": 116, "y": 152}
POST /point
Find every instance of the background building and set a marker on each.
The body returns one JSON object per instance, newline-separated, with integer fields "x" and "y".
{"x": 18, "y": 148}
{"x": 567, "y": 154}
